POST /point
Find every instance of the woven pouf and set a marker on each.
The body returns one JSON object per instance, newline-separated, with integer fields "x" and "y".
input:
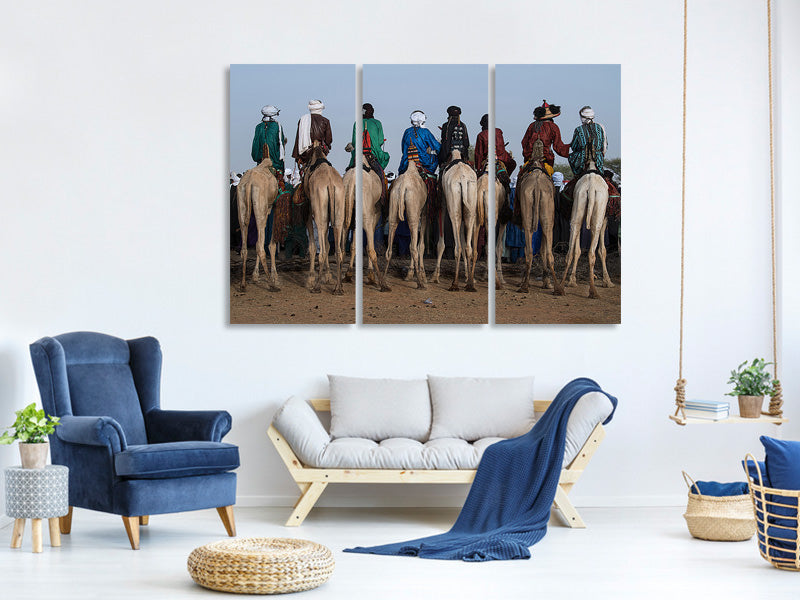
{"x": 261, "y": 565}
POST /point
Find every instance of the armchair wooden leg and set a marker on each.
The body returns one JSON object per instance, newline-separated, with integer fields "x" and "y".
{"x": 568, "y": 511}
{"x": 132, "y": 529}
{"x": 226, "y": 514}
{"x": 65, "y": 522}
{"x": 306, "y": 503}
{"x": 144, "y": 520}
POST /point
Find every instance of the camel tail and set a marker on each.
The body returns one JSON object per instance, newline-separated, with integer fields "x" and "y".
{"x": 401, "y": 205}
{"x": 349, "y": 204}
{"x": 537, "y": 196}
{"x": 590, "y": 200}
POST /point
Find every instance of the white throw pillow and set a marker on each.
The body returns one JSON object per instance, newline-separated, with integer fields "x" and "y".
{"x": 471, "y": 408}
{"x": 378, "y": 409}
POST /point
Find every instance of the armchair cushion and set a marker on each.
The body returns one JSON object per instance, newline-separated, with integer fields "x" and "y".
{"x": 186, "y": 425}
{"x": 176, "y": 459}
{"x": 92, "y": 431}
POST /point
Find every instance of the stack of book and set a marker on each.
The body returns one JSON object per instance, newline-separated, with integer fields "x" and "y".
{"x": 702, "y": 409}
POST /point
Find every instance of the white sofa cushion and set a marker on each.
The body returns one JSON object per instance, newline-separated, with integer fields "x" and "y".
{"x": 471, "y": 408}
{"x": 403, "y": 453}
{"x": 378, "y": 409}
{"x": 302, "y": 429}
{"x": 592, "y": 409}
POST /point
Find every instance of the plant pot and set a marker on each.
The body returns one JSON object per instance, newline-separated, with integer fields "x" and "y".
{"x": 750, "y": 406}
{"x": 34, "y": 456}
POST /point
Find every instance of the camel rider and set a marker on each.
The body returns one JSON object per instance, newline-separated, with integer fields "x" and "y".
{"x": 373, "y": 139}
{"x": 589, "y": 141}
{"x": 374, "y": 155}
{"x": 312, "y": 127}
{"x": 503, "y": 171}
{"x": 544, "y": 128}
{"x": 588, "y": 135}
{"x": 419, "y": 145}
{"x": 269, "y": 133}
{"x": 454, "y": 137}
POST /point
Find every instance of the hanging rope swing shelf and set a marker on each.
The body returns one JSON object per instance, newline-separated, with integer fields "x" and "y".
{"x": 775, "y": 413}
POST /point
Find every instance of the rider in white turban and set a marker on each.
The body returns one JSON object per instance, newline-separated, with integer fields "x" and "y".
{"x": 418, "y": 118}
{"x": 269, "y": 112}
{"x": 312, "y": 127}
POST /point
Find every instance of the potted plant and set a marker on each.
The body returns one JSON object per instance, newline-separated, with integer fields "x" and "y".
{"x": 750, "y": 383}
{"x": 31, "y": 430}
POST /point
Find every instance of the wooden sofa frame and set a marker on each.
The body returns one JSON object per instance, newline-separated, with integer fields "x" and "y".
{"x": 312, "y": 481}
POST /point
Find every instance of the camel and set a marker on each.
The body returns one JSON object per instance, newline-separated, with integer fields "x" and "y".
{"x": 406, "y": 201}
{"x": 460, "y": 185}
{"x": 256, "y": 193}
{"x": 590, "y": 200}
{"x": 371, "y": 186}
{"x": 325, "y": 190}
{"x": 535, "y": 193}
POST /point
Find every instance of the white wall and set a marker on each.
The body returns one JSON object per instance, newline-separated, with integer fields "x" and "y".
{"x": 114, "y": 185}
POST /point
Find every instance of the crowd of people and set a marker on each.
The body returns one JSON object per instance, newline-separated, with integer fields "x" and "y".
{"x": 432, "y": 157}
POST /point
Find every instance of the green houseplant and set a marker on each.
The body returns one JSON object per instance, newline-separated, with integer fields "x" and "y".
{"x": 751, "y": 382}
{"x": 31, "y": 429}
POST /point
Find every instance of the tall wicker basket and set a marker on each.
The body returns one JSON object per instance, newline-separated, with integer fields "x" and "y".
{"x": 719, "y": 518}
{"x": 776, "y": 520}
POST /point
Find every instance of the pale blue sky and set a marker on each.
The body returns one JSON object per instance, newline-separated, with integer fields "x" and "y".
{"x": 290, "y": 87}
{"x": 521, "y": 88}
{"x": 397, "y": 90}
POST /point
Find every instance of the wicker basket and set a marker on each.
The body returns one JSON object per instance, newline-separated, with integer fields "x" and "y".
{"x": 261, "y": 565}
{"x": 719, "y": 518}
{"x": 776, "y": 520}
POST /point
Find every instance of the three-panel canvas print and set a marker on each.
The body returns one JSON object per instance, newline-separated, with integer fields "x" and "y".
{"x": 450, "y": 199}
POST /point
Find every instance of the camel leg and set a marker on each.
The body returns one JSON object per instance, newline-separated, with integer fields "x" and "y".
{"x": 389, "y": 244}
{"x": 456, "y": 251}
{"x": 312, "y": 246}
{"x": 373, "y": 261}
{"x": 603, "y": 252}
{"x": 592, "y": 257}
{"x": 470, "y": 246}
{"x": 323, "y": 252}
{"x": 524, "y": 286}
{"x": 273, "y": 279}
{"x": 244, "y": 223}
{"x": 338, "y": 238}
{"x": 499, "y": 282}
{"x": 439, "y": 249}
{"x": 423, "y": 229}
{"x": 571, "y": 255}
{"x": 262, "y": 212}
{"x": 550, "y": 262}
{"x": 414, "y": 227}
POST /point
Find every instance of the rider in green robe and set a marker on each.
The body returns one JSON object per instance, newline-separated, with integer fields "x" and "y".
{"x": 269, "y": 132}
{"x": 373, "y": 130}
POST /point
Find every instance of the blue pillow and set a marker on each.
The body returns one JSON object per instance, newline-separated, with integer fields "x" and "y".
{"x": 714, "y": 488}
{"x": 750, "y": 467}
{"x": 783, "y": 463}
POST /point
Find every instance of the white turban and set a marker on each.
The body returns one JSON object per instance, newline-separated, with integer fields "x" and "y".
{"x": 269, "y": 111}
{"x": 558, "y": 178}
{"x": 315, "y": 107}
{"x": 587, "y": 114}
{"x": 418, "y": 118}
{"x": 234, "y": 178}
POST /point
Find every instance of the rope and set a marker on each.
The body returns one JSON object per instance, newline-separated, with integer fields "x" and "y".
{"x": 680, "y": 385}
{"x": 777, "y": 392}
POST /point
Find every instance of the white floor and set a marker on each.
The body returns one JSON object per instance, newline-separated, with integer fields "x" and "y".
{"x": 625, "y": 553}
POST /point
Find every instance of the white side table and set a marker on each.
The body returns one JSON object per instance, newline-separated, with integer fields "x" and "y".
{"x": 37, "y": 494}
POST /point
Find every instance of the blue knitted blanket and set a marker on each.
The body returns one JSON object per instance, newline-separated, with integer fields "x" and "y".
{"x": 508, "y": 506}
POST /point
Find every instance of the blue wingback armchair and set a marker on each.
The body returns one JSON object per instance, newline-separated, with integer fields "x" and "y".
{"x": 125, "y": 455}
